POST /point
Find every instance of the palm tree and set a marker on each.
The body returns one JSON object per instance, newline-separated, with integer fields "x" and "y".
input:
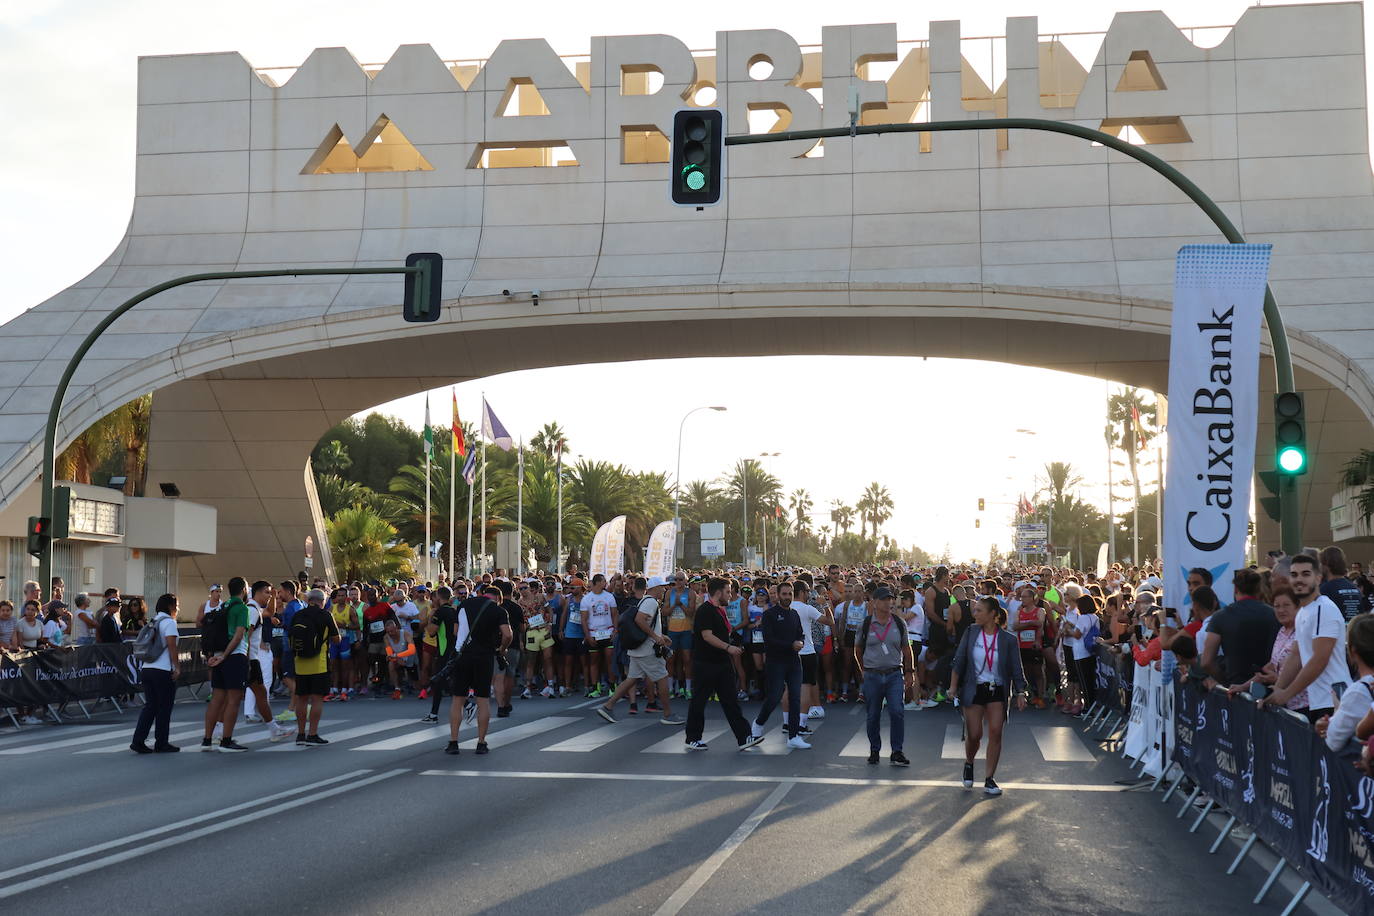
{"x": 651, "y": 502}
{"x": 336, "y": 493}
{"x": 540, "y": 508}
{"x": 842, "y": 515}
{"x": 365, "y": 546}
{"x": 603, "y": 488}
{"x": 876, "y": 503}
{"x": 1359, "y": 472}
{"x": 1061, "y": 477}
{"x": 124, "y": 433}
{"x": 1134, "y": 422}
{"x": 408, "y": 499}
{"x": 551, "y": 439}
{"x": 701, "y": 502}
{"x": 333, "y": 458}
{"x": 800, "y": 505}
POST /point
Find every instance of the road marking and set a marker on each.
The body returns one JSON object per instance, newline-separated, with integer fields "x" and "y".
{"x": 803, "y": 780}
{"x": 347, "y": 734}
{"x": 590, "y": 741}
{"x": 1061, "y": 743}
{"x": 141, "y": 851}
{"x": 101, "y": 734}
{"x": 432, "y": 733}
{"x": 587, "y": 705}
{"x": 494, "y": 738}
{"x": 858, "y": 745}
{"x": 954, "y": 744}
{"x": 118, "y": 746}
{"x": 85, "y": 851}
{"x": 677, "y": 743}
{"x": 527, "y": 730}
{"x": 674, "y": 904}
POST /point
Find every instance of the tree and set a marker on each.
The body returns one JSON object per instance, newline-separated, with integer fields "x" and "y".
{"x": 365, "y": 546}
{"x": 1131, "y": 425}
{"x": 377, "y": 445}
{"x": 603, "y": 488}
{"x": 335, "y": 493}
{"x": 702, "y": 501}
{"x": 540, "y": 512}
{"x": 333, "y": 458}
{"x": 841, "y": 515}
{"x": 1359, "y": 472}
{"x": 875, "y": 506}
{"x": 750, "y": 488}
{"x": 550, "y": 440}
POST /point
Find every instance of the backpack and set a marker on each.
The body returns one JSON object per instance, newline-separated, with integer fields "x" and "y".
{"x": 214, "y": 631}
{"x": 306, "y": 636}
{"x": 631, "y": 635}
{"x": 148, "y": 644}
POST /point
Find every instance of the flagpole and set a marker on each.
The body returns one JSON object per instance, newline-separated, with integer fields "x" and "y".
{"x": 429, "y": 451}
{"x": 452, "y": 483}
{"x": 482, "y": 532}
{"x": 558, "y": 547}
{"x": 520, "y": 508}
{"x": 467, "y": 564}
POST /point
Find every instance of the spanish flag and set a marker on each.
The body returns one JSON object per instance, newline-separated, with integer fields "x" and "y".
{"x": 460, "y": 447}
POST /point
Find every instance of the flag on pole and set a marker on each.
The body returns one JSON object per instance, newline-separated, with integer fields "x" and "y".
{"x": 460, "y": 446}
{"x": 470, "y": 468}
{"x": 429, "y": 431}
{"x": 493, "y": 429}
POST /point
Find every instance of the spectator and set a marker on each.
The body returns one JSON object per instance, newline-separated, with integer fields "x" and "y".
{"x": 9, "y": 634}
{"x": 1336, "y": 586}
{"x": 29, "y": 627}
{"x": 1357, "y": 702}
{"x": 1286, "y": 612}
{"x": 55, "y": 624}
{"x": 107, "y": 621}
{"x": 1319, "y": 665}
{"x": 135, "y": 615}
{"x": 159, "y": 685}
{"x": 83, "y": 621}
{"x": 1242, "y": 633}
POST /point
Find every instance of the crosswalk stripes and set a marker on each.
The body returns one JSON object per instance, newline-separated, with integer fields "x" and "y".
{"x": 597, "y": 737}
{"x": 494, "y": 738}
{"x": 954, "y": 744}
{"x": 858, "y": 745}
{"x": 676, "y": 743}
{"x": 516, "y": 733}
{"x": 1061, "y": 744}
{"x": 123, "y": 743}
{"x": 348, "y": 734}
{"x": 87, "y": 737}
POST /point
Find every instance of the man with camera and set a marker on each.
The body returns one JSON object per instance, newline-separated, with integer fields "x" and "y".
{"x": 484, "y": 633}
{"x": 648, "y": 659}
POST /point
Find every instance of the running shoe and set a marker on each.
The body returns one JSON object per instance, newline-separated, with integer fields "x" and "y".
{"x": 525, "y": 694}
{"x": 687, "y": 694}
{"x": 429, "y": 717}
{"x": 206, "y": 744}
{"x": 817, "y": 712}
{"x": 562, "y": 693}
{"x": 653, "y": 706}
{"x": 138, "y": 747}
{"x": 547, "y": 692}
{"x": 805, "y": 731}
{"x": 315, "y": 741}
{"x": 742, "y": 695}
{"x": 873, "y": 757}
{"x": 452, "y": 748}
{"x": 830, "y": 698}
{"x": 288, "y": 716}
{"x": 252, "y": 717}
{"x": 672, "y": 720}
{"x": 396, "y": 694}
{"x": 929, "y": 704}
{"x": 797, "y": 741}
{"x": 701, "y": 746}
{"x": 913, "y": 706}
{"x": 939, "y": 697}
{"x": 344, "y": 695}
{"x": 276, "y": 731}
{"x": 634, "y": 709}
{"x": 968, "y": 776}
{"x": 362, "y": 691}
{"x": 230, "y": 746}
{"x": 331, "y": 697}
{"x": 482, "y": 747}
{"x": 605, "y": 713}
{"x": 751, "y": 741}
{"x": 899, "y": 759}
{"x": 503, "y": 712}
{"x": 990, "y": 787}
{"x": 424, "y": 693}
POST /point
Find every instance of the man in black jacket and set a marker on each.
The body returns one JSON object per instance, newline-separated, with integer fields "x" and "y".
{"x": 782, "y": 643}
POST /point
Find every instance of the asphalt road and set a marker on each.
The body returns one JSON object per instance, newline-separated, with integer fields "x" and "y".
{"x": 570, "y": 815}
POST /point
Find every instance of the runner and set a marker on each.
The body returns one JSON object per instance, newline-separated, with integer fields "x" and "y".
{"x": 598, "y": 616}
{"x": 985, "y": 672}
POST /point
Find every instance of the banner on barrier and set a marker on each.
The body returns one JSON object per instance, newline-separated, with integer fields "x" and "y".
{"x": 37, "y": 678}
{"x": 1214, "y": 351}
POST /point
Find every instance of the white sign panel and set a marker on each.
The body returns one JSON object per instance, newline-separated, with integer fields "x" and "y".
{"x": 1214, "y": 399}
{"x": 713, "y": 548}
{"x": 712, "y": 531}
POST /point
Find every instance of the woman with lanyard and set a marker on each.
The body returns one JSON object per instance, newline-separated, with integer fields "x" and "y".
{"x": 680, "y": 632}
{"x": 986, "y": 664}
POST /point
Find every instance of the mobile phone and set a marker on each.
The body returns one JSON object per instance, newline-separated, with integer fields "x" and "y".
{"x": 1260, "y": 691}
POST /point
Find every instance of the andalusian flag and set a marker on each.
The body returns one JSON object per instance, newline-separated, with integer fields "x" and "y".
{"x": 429, "y": 431}
{"x": 460, "y": 447}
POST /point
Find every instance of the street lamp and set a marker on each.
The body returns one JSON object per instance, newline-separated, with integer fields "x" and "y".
{"x": 677, "y": 480}
{"x": 763, "y": 526}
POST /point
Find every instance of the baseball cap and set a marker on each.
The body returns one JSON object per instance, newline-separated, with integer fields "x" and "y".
{"x": 578, "y": 583}
{"x": 882, "y": 591}
{"x": 656, "y": 582}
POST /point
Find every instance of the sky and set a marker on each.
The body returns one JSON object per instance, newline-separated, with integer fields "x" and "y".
{"x": 68, "y": 68}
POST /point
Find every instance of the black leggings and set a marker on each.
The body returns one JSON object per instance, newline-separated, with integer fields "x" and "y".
{"x": 1087, "y": 678}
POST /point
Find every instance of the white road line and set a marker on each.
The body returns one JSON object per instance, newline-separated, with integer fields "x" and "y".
{"x": 386, "y": 725}
{"x": 587, "y": 705}
{"x": 527, "y": 730}
{"x": 494, "y": 738}
{"x": 1061, "y": 743}
{"x": 802, "y": 780}
{"x": 85, "y": 851}
{"x": 674, "y": 904}
{"x": 858, "y": 745}
{"x": 87, "y": 737}
{"x": 597, "y": 737}
{"x": 119, "y": 746}
{"x": 432, "y": 733}
{"x": 954, "y": 744}
{"x": 677, "y": 743}
{"x": 141, "y": 851}
{"x": 775, "y": 743}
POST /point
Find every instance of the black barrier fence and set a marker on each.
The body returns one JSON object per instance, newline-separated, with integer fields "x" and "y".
{"x": 42, "y": 677}
{"x": 1114, "y": 678}
{"x": 1269, "y": 770}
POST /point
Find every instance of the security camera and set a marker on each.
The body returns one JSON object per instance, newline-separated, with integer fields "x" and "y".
{"x": 535, "y": 294}
{"x": 506, "y": 293}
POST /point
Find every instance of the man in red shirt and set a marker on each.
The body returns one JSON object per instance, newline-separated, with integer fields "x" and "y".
{"x": 376, "y": 615}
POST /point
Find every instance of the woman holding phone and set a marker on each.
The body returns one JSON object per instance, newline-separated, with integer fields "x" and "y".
{"x": 985, "y": 677}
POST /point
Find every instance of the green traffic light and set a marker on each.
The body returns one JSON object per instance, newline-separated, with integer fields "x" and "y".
{"x": 1291, "y": 460}
{"x": 696, "y": 179}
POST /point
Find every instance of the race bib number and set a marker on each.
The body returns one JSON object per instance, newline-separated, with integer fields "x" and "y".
{"x": 602, "y": 634}
{"x": 854, "y": 616}
{"x": 756, "y": 636}
{"x": 537, "y": 620}
{"x": 575, "y": 617}
{"x": 678, "y": 614}
{"x": 376, "y": 626}
{"x": 278, "y": 632}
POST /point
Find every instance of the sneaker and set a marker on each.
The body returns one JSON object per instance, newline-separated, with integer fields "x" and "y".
{"x": 672, "y": 720}
{"x": 830, "y": 698}
{"x": 288, "y": 716}
{"x": 482, "y": 747}
{"x": 898, "y": 759}
{"x": 547, "y": 692}
{"x": 815, "y": 712}
{"x": 470, "y": 711}
{"x": 276, "y": 731}
{"x": 165, "y": 748}
{"x": 206, "y": 744}
{"x": 362, "y": 691}
{"x": 396, "y": 694}
{"x": 913, "y": 706}
{"x": 315, "y": 740}
{"x": 873, "y": 758}
{"x": 605, "y": 713}
{"x": 797, "y": 741}
{"x": 968, "y": 776}
{"x": 634, "y": 709}
{"x": 424, "y": 693}
{"x": 301, "y": 742}
{"x": 503, "y": 712}
{"x": 687, "y": 694}
{"x": 928, "y": 704}
{"x": 230, "y": 746}
{"x": 562, "y": 693}
{"x": 344, "y": 695}
{"x": 31, "y": 720}
{"x": 252, "y": 717}
{"x": 330, "y": 698}
{"x": 755, "y": 729}
{"x": 990, "y": 787}
{"x": 429, "y": 717}
{"x": 452, "y": 748}
{"x": 526, "y": 695}
{"x": 653, "y": 706}
{"x": 701, "y": 746}
{"x": 805, "y": 731}
{"x": 751, "y": 741}
{"x": 742, "y": 695}
{"x": 138, "y": 747}
{"x": 939, "y": 697}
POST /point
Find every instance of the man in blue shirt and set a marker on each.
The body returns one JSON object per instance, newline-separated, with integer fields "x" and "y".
{"x": 290, "y": 604}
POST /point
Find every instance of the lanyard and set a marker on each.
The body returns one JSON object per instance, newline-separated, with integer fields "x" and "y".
{"x": 882, "y": 637}
{"x": 725, "y": 617}
{"x": 989, "y": 653}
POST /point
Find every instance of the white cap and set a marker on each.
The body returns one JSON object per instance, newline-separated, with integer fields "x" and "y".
{"x": 656, "y": 582}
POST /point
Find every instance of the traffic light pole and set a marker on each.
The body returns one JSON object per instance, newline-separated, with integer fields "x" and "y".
{"x": 1290, "y": 521}
{"x": 55, "y": 410}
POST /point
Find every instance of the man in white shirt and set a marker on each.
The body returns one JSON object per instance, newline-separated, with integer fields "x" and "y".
{"x": 1319, "y": 665}
{"x": 645, "y": 659}
{"x": 598, "y": 622}
{"x": 810, "y": 660}
{"x": 256, "y": 707}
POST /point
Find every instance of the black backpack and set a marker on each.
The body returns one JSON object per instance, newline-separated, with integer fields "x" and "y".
{"x": 306, "y": 636}
{"x": 631, "y": 636}
{"x": 214, "y": 631}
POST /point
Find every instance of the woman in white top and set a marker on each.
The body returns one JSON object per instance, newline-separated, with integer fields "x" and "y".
{"x": 985, "y": 677}
{"x": 159, "y": 684}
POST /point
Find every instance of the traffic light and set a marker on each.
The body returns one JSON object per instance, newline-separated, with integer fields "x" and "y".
{"x": 1269, "y": 504}
{"x": 698, "y": 159}
{"x": 980, "y": 504}
{"x": 423, "y": 289}
{"x": 978, "y": 522}
{"x": 40, "y": 534}
{"x": 1290, "y": 434}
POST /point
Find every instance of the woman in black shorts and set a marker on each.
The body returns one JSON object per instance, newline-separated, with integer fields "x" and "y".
{"x": 985, "y": 675}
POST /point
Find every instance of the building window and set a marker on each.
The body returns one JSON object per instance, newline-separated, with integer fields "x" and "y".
{"x": 156, "y": 580}
{"x": 91, "y": 516}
